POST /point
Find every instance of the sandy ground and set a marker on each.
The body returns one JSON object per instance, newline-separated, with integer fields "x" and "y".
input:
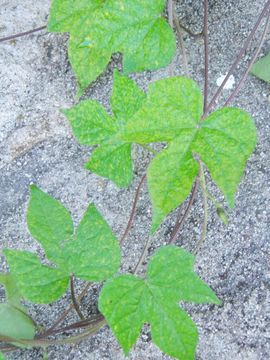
{"x": 37, "y": 146}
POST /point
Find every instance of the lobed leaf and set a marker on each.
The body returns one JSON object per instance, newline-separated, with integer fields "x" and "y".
{"x": 172, "y": 113}
{"x": 92, "y": 125}
{"x": 100, "y": 28}
{"x": 92, "y": 253}
{"x": 127, "y": 302}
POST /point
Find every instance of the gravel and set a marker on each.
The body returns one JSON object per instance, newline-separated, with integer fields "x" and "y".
{"x": 37, "y": 146}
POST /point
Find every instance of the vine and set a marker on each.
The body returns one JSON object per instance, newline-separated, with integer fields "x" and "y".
{"x": 173, "y": 112}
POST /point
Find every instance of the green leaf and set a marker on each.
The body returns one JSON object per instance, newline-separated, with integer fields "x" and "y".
{"x": 37, "y": 283}
{"x": 15, "y": 323}
{"x": 49, "y": 222}
{"x": 2, "y": 357}
{"x": 134, "y": 28}
{"x": 92, "y": 125}
{"x": 127, "y": 302}
{"x": 261, "y": 68}
{"x": 92, "y": 253}
{"x": 172, "y": 113}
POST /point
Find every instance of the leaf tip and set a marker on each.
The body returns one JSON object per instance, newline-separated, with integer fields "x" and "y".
{"x": 34, "y": 190}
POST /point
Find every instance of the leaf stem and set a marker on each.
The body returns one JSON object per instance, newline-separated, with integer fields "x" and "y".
{"x": 205, "y": 208}
{"x": 44, "y": 343}
{"x": 65, "y": 313}
{"x": 143, "y": 255}
{"x": 74, "y": 300}
{"x": 133, "y": 210}
{"x": 180, "y": 221}
{"x": 12, "y": 37}
{"x": 181, "y": 41}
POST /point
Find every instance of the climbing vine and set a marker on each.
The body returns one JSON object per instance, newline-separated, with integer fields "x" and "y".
{"x": 173, "y": 113}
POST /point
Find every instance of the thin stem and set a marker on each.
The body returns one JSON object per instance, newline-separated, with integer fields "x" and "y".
{"x": 44, "y": 343}
{"x": 170, "y": 12}
{"x": 205, "y": 208}
{"x": 238, "y": 58}
{"x": 206, "y": 53}
{"x": 181, "y": 42}
{"x": 181, "y": 221}
{"x": 188, "y": 31}
{"x": 66, "y": 312}
{"x": 78, "y": 325}
{"x": 74, "y": 300}
{"x": 12, "y": 37}
{"x": 133, "y": 210}
{"x": 143, "y": 255}
{"x": 254, "y": 58}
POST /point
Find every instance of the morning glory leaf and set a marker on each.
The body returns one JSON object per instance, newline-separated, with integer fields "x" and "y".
{"x": 37, "y": 283}
{"x": 135, "y": 28}
{"x": 261, "y": 68}
{"x": 91, "y": 253}
{"x": 172, "y": 114}
{"x": 49, "y": 222}
{"x": 128, "y": 302}
{"x": 92, "y": 125}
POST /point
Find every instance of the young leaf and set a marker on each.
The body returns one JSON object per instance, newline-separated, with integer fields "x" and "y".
{"x": 92, "y": 125}
{"x": 92, "y": 253}
{"x": 2, "y": 357}
{"x": 15, "y": 323}
{"x": 261, "y": 68}
{"x": 127, "y": 302}
{"x": 100, "y": 28}
{"x": 172, "y": 113}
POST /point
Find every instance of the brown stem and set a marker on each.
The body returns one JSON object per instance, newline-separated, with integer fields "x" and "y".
{"x": 254, "y": 58}
{"x": 180, "y": 223}
{"x": 74, "y": 300}
{"x": 44, "y": 343}
{"x": 77, "y": 325}
{"x": 143, "y": 255}
{"x": 12, "y": 37}
{"x": 238, "y": 58}
{"x": 190, "y": 32}
{"x": 133, "y": 210}
{"x": 65, "y": 313}
{"x": 181, "y": 42}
